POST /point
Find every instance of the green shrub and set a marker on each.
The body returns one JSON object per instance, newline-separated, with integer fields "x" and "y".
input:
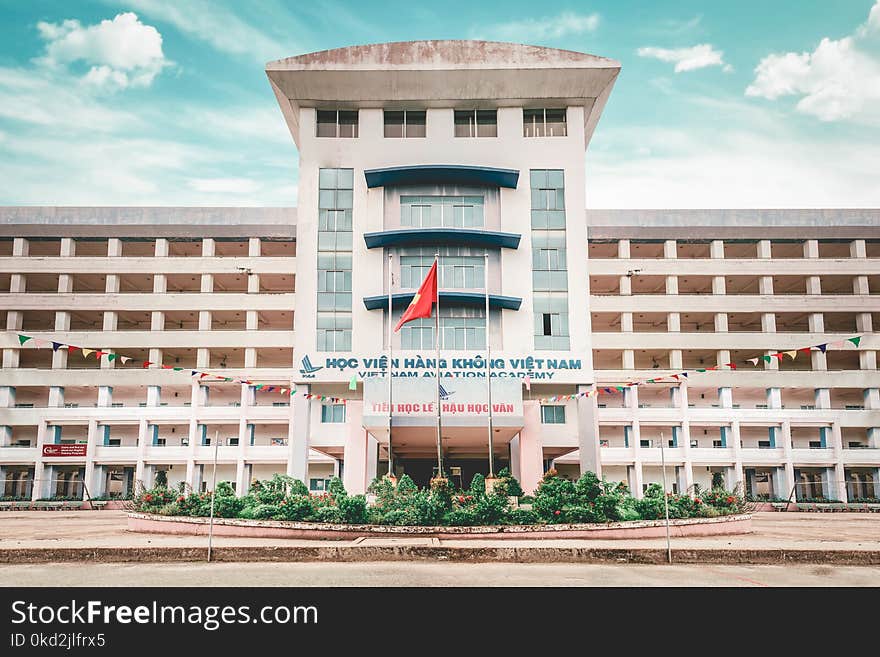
{"x": 296, "y": 507}
{"x": 353, "y": 509}
{"x": 336, "y": 487}
{"x": 521, "y": 517}
{"x": 508, "y": 483}
{"x": 462, "y": 517}
{"x": 330, "y": 514}
{"x": 265, "y": 512}
{"x": 478, "y": 485}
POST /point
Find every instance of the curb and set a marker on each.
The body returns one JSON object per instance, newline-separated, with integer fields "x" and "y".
{"x": 428, "y": 553}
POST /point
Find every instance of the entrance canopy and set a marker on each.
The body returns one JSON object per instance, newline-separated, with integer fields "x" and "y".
{"x": 464, "y": 413}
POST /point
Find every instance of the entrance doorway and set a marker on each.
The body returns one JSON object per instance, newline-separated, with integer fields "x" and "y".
{"x": 459, "y": 471}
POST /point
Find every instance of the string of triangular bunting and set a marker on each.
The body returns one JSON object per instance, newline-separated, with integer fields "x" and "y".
{"x": 792, "y": 353}
{"x": 39, "y": 343}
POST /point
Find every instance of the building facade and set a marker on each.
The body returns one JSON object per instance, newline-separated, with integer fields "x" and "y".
{"x": 472, "y": 152}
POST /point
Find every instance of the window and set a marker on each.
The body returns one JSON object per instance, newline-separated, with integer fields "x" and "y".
{"x": 114, "y": 442}
{"x": 456, "y": 272}
{"x": 405, "y": 123}
{"x": 549, "y": 259}
{"x": 441, "y": 211}
{"x": 232, "y": 442}
{"x": 553, "y": 414}
{"x": 335, "y": 203}
{"x": 644, "y": 443}
{"x": 476, "y": 123}
{"x": 337, "y": 123}
{"x": 544, "y": 123}
{"x": 333, "y": 413}
{"x": 319, "y": 485}
{"x": 460, "y": 328}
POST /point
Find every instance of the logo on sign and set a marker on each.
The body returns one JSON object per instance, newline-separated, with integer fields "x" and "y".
{"x": 445, "y": 394}
{"x": 308, "y": 370}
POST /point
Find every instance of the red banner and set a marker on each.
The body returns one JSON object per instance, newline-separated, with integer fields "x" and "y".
{"x": 64, "y": 450}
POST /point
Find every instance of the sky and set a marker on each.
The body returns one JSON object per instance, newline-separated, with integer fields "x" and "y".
{"x": 166, "y": 102}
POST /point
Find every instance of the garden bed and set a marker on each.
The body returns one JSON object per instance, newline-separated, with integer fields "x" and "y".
{"x": 236, "y": 527}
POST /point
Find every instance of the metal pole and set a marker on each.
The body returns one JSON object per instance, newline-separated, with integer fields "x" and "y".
{"x": 665, "y": 500}
{"x": 489, "y": 367}
{"x": 390, "y": 364}
{"x": 213, "y": 495}
{"x": 437, "y": 329}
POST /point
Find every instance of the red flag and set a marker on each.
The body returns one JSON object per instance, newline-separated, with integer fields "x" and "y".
{"x": 423, "y": 301}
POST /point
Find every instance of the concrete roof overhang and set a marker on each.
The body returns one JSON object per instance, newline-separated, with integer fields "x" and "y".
{"x": 443, "y": 237}
{"x": 497, "y": 301}
{"x": 449, "y": 174}
{"x": 443, "y": 73}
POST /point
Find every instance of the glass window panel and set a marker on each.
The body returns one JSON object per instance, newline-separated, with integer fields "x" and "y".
{"x": 538, "y": 178}
{"x": 464, "y": 123}
{"x": 326, "y": 123}
{"x": 327, "y": 178}
{"x": 348, "y": 123}
{"x": 487, "y": 123}
{"x": 416, "y": 123}
{"x": 393, "y": 123}
{"x": 556, "y": 123}
{"x": 555, "y": 178}
{"x": 327, "y": 199}
{"x": 346, "y": 178}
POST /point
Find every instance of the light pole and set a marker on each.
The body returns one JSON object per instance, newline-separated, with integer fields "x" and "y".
{"x": 665, "y": 499}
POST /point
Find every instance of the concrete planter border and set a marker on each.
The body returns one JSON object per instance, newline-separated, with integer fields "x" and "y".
{"x": 185, "y": 525}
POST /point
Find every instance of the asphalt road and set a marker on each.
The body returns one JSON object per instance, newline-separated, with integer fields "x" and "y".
{"x": 430, "y": 574}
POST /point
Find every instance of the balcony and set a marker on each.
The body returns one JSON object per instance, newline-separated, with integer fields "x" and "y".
{"x": 162, "y": 454}
{"x": 762, "y": 456}
{"x": 612, "y": 455}
{"x": 652, "y": 455}
{"x": 10, "y": 455}
{"x": 812, "y": 455}
{"x": 861, "y": 456}
{"x": 116, "y": 454}
{"x": 266, "y": 453}
{"x": 703, "y": 455}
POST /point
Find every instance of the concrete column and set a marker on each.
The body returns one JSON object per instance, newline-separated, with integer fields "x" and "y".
{"x": 857, "y": 249}
{"x": 56, "y": 397}
{"x": 735, "y": 443}
{"x": 629, "y": 359}
{"x": 814, "y": 285}
{"x": 531, "y": 446}
{"x": 838, "y": 487}
{"x": 105, "y": 396}
{"x": 92, "y": 441}
{"x": 675, "y": 359}
{"x": 764, "y": 249}
{"x": 355, "y": 452}
{"x": 623, "y": 251}
{"x": 716, "y": 249}
{"x": 254, "y": 247}
{"x": 784, "y": 436}
{"x": 588, "y": 433}
{"x": 811, "y": 249}
{"x": 625, "y": 285}
{"x": 298, "y": 433}
{"x": 670, "y": 249}
{"x": 719, "y": 285}
{"x": 725, "y": 397}
{"x": 143, "y": 441}
{"x": 721, "y": 322}
{"x": 673, "y": 321}
{"x": 514, "y": 458}
{"x": 634, "y": 473}
{"x": 154, "y": 395}
{"x": 626, "y": 322}
{"x": 41, "y": 472}
{"x": 372, "y": 460}
{"x": 672, "y": 284}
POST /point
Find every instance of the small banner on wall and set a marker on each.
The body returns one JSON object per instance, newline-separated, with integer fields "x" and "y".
{"x": 65, "y": 450}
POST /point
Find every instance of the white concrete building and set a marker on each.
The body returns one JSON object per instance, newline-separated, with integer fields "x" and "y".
{"x": 473, "y": 151}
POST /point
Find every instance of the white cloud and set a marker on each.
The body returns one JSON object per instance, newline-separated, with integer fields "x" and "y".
{"x": 538, "y": 29}
{"x": 122, "y": 52}
{"x": 688, "y": 59}
{"x": 839, "y": 80}
{"x": 216, "y": 25}
{"x": 759, "y": 160}
{"x": 224, "y": 185}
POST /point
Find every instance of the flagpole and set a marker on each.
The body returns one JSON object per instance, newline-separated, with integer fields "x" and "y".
{"x": 488, "y": 367}
{"x": 390, "y": 363}
{"x": 437, "y": 341}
